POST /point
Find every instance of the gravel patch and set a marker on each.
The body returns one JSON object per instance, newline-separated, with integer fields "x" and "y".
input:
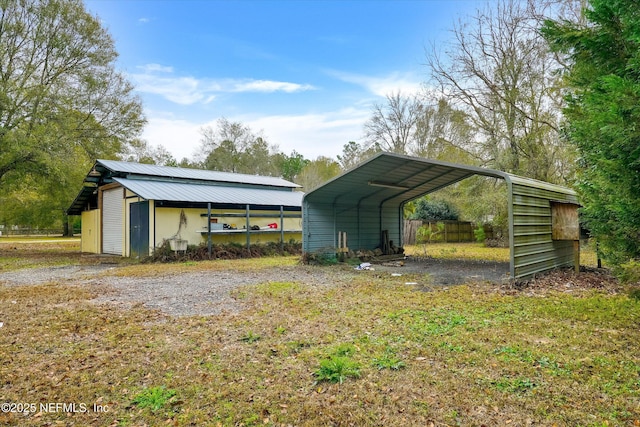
{"x": 199, "y": 293}
{"x": 211, "y": 292}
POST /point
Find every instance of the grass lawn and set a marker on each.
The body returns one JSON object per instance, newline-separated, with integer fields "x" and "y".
{"x": 29, "y": 252}
{"x": 369, "y": 351}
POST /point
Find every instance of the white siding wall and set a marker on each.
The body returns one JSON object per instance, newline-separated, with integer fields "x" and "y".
{"x": 112, "y": 221}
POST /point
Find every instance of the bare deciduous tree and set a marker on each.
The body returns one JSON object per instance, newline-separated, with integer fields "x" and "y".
{"x": 443, "y": 133}
{"x": 392, "y": 126}
{"x": 500, "y": 71}
{"x": 235, "y": 147}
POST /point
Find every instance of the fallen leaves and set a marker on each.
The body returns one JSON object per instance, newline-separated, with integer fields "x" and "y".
{"x": 68, "y": 349}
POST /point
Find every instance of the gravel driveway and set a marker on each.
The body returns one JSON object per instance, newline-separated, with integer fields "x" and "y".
{"x": 210, "y": 292}
{"x": 200, "y": 293}
{"x": 197, "y": 293}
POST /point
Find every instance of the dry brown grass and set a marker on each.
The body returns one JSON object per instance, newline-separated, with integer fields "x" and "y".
{"x": 478, "y": 251}
{"x": 471, "y": 355}
{"x": 475, "y": 251}
{"x": 31, "y": 252}
{"x": 244, "y": 264}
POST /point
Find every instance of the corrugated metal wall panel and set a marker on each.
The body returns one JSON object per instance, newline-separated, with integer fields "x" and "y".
{"x": 361, "y": 223}
{"x": 112, "y": 221}
{"x": 521, "y": 210}
{"x": 318, "y": 228}
{"x": 533, "y": 249}
{"x": 392, "y": 222}
{"x": 530, "y": 201}
{"x": 347, "y": 221}
{"x": 368, "y": 229}
{"x": 561, "y": 254}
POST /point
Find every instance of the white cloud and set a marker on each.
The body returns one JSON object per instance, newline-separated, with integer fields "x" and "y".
{"x": 267, "y": 86}
{"x": 151, "y": 68}
{"x": 180, "y": 137}
{"x": 312, "y": 135}
{"x": 144, "y": 20}
{"x": 407, "y": 83}
{"x": 186, "y": 90}
{"x": 181, "y": 90}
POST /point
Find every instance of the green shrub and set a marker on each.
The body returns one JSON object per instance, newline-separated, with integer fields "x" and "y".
{"x": 480, "y": 234}
{"x": 154, "y": 398}
{"x": 336, "y": 369}
{"x": 434, "y": 210}
{"x": 426, "y": 234}
{"x": 629, "y": 272}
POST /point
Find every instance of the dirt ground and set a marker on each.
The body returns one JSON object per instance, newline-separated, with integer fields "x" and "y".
{"x": 451, "y": 272}
{"x": 209, "y": 293}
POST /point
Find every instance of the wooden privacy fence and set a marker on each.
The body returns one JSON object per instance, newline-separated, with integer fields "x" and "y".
{"x": 449, "y": 231}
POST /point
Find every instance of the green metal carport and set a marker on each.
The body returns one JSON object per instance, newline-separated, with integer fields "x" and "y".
{"x": 370, "y": 198}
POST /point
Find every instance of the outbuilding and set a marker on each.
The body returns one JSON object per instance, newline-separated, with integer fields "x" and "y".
{"x": 130, "y": 208}
{"x": 365, "y": 205}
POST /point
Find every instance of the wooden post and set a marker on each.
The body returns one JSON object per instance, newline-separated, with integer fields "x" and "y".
{"x": 576, "y": 255}
{"x": 342, "y": 242}
{"x": 385, "y": 242}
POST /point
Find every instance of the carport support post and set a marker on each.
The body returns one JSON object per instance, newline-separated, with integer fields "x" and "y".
{"x": 209, "y": 229}
{"x": 282, "y": 228}
{"x": 248, "y": 232}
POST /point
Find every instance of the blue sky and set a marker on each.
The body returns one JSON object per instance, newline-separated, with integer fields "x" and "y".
{"x": 305, "y": 74}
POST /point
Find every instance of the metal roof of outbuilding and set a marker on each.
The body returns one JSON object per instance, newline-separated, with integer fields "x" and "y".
{"x": 108, "y": 171}
{"x": 131, "y": 168}
{"x": 202, "y": 193}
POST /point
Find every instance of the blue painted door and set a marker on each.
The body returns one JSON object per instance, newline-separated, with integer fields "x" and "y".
{"x": 139, "y": 229}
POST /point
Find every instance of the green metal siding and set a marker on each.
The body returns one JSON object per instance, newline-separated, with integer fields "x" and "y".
{"x": 532, "y": 249}
{"x": 318, "y": 229}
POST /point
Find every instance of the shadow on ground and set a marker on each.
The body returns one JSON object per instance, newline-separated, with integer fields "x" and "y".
{"x": 451, "y": 272}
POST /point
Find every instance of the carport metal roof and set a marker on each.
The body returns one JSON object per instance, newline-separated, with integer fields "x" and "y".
{"x": 390, "y": 180}
{"x": 394, "y": 178}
